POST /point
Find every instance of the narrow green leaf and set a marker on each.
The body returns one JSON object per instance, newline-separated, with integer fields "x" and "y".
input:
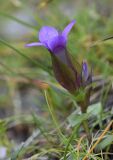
{"x": 25, "y": 56}
{"x": 76, "y": 119}
{"x": 108, "y": 140}
{"x": 95, "y": 109}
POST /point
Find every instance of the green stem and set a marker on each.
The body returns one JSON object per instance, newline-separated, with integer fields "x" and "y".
{"x": 70, "y": 140}
{"x": 53, "y": 115}
{"x": 84, "y": 104}
{"x": 87, "y": 130}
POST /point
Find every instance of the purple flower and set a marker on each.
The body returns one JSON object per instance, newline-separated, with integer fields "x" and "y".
{"x": 68, "y": 72}
{"x": 86, "y": 75}
{"x": 51, "y": 39}
{"x": 85, "y": 72}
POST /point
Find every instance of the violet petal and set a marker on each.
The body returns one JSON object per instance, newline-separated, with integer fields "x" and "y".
{"x": 68, "y": 28}
{"x": 34, "y": 44}
{"x": 47, "y": 33}
{"x": 85, "y": 71}
{"x": 56, "y": 43}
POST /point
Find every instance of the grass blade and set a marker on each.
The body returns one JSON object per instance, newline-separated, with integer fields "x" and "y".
{"x": 25, "y": 56}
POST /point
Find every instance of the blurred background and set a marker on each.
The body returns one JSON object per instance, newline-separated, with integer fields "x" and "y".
{"x": 26, "y": 72}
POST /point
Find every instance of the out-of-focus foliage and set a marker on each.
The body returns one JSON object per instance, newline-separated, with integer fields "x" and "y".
{"x": 28, "y": 87}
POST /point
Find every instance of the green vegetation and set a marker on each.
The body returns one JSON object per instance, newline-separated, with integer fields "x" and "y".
{"x": 39, "y": 120}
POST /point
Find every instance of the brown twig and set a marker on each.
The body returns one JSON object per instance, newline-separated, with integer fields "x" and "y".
{"x": 99, "y": 139}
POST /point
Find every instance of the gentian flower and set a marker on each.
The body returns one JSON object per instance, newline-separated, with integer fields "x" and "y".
{"x": 68, "y": 72}
{"x": 51, "y": 39}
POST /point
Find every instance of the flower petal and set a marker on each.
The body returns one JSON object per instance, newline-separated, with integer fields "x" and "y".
{"x": 68, "y": 28}
{"x": 85, "y": 72}
{"x": 47, "y": 33}
{"x": 34, "y": 44}
{"x": 56, "y": 43}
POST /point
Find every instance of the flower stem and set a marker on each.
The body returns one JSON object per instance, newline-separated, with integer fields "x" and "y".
{"x": 53, "y": 116}
{"x": 84, "y": 105}
{"x": 87, "y": 130}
